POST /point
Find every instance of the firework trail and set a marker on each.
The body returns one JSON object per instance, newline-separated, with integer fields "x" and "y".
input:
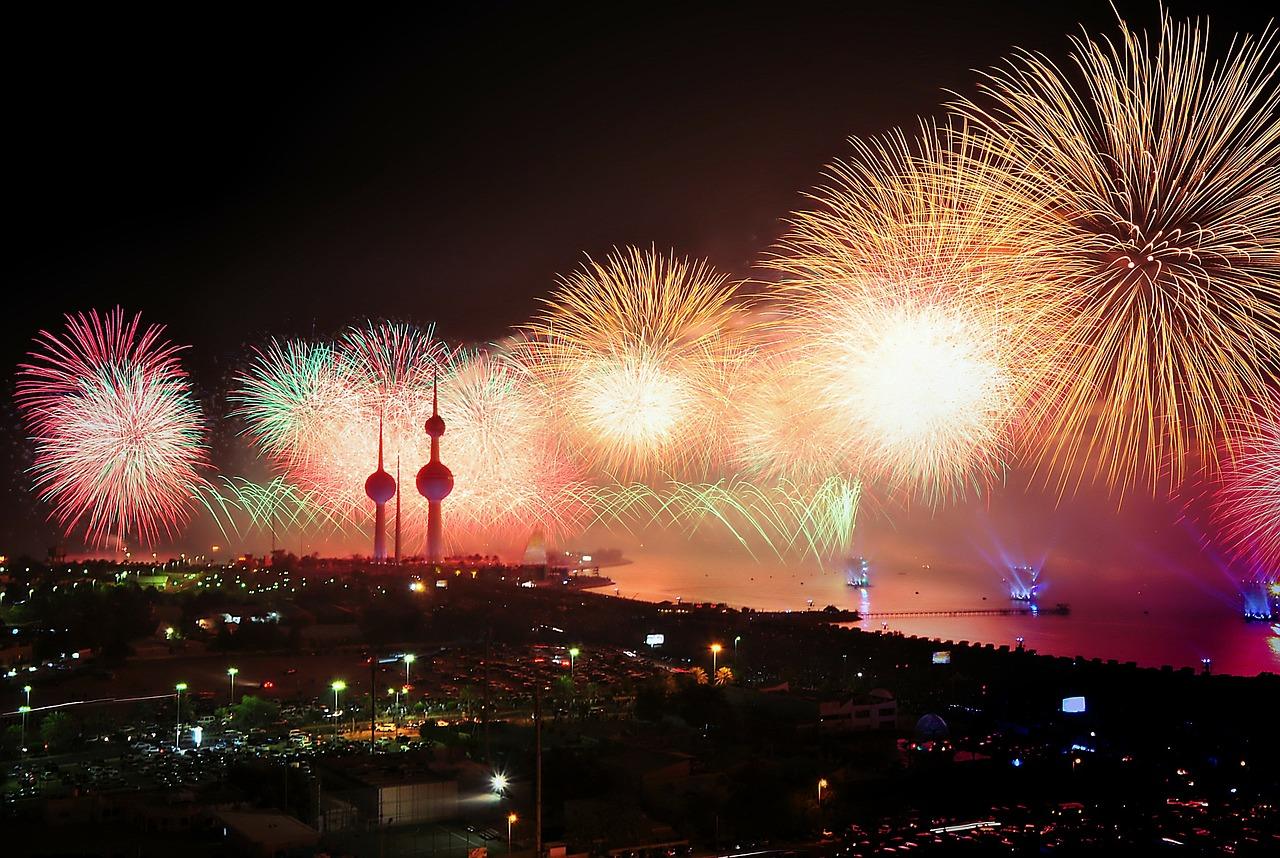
{"x": 784, "y": 517}
{"x": 639, "y": 352}
{"x": 119, "y": 439}
{"x": 240, "y": 506}
{"x": 1151, "y": 168}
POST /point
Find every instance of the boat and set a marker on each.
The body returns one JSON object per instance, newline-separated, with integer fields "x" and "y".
{"x": 1023, "y": 581}
{"x": 856, "y": 572}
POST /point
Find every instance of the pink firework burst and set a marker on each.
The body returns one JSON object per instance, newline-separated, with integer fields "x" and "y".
{"x": 118, "y": 435}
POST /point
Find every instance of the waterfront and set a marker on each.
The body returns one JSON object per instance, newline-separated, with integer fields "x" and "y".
{"x": 1153, "y": 620}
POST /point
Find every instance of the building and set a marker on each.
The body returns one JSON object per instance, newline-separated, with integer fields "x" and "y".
{"x": 266, "y": 834}
{"x": 877, "y": 710}
{"x": 385, "y": 791}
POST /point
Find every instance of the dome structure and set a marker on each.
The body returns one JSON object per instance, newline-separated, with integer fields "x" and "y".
{"x": 931, "y": 728}
{"x": 380, "y": 487}
{"x": 435, "y": 481}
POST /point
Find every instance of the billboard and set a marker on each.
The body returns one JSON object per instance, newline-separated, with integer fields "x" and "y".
{"x": 1073, "y": 704}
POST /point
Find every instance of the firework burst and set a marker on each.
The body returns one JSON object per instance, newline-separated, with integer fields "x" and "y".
{"x": 638, "y": 351}
{"x": 119, "y": 439}
{"x": 905, "y": 312}
{"x": 1247, "y": 502}
{"x": 1151, "y": 170}
{"x": 513, "y": 476}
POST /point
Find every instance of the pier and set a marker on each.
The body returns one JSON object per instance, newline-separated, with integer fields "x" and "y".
{"x": 1056, "y": 610}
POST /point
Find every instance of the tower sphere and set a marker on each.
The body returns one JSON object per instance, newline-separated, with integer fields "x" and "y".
{"x": 380, "y": 487}
{"x": 435, "y": 481}
{"x": 434, "y": 426}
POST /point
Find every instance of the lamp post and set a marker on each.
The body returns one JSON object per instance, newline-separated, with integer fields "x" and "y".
{"x": 338, "y": 686}
{"x": 409, "y": 658}
{"x": 24, "y": 710}
{"x": 573, "y": 658}
{"x": 822, "y": 784}
{"x": 27, "y": 690}
{"x": 231, "y": 680}
{"x": 177, "y": 717}
{"x": 736, "y": 640}
{"x": 512, "y": 819}
{"x": 715, "y": 654}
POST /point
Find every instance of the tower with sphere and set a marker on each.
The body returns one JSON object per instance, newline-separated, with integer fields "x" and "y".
{"x": 380, "y": 487}
{"x": 435, "y": 482}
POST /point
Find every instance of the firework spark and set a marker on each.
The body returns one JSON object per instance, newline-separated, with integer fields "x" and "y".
{"x": 118, "y": 435}
{"x": 1151, "y": 168}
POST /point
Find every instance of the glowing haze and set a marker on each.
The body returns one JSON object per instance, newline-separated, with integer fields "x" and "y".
{"x": 1076, "y": 270}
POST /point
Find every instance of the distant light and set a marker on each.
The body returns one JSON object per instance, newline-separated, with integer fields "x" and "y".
{"x": 1016, "y": 762}
{"x": 1073, "y": 704}
{"x": 498, "y": 783}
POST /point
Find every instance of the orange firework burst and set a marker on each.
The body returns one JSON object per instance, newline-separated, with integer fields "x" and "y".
{"x": 1152, "y": 170}
{"x": 907, "y": 316}
{"x": 638, "y": 351}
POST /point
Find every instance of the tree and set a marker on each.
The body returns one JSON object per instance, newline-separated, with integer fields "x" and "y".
{"x": 699, "y": 675}
{"x": 724, "y": 676}
{"x": 254, "y": 712}
{"x": 58, "y": 731}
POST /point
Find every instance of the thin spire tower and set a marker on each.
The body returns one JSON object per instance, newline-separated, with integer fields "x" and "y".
{"x": 380, "y": 487}
{"x": 435, "y": 481}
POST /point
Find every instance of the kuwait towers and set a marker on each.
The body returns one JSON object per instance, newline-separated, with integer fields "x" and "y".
{"x": 381, "y": 487}
{"x": 435, "y": 481}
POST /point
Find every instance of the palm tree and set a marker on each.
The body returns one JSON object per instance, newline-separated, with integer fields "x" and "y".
{"x": 699, "y": 675}
{"x": 724, "y": 676}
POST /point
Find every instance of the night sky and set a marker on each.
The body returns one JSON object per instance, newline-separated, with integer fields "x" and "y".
{"x": 280, "y": 173}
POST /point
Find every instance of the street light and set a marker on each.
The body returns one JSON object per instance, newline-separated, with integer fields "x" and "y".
{"x": 409, "y": 658}
{"x": 24, "y": 710}
{"x": 231, "y": 677}
{"x": 715, "y": 653}
{"x": 498, "y": 783}
{"x": 337, "y": 685}
{"x": 27, "y": 690}
{"x": 822, "y": 784}
{"x": 573, "y": 658}
{"x": 177, "y": 717}
{"x": 737, "y": 639}
{"x": 512, "y": 819}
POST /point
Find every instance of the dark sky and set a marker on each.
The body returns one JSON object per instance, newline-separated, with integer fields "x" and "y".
{"x": 284, "y": 171}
